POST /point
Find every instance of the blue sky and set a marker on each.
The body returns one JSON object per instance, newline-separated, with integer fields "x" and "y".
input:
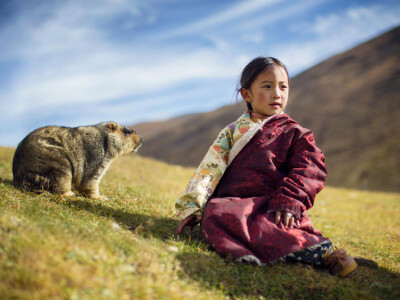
{"x": 72, "y": 63}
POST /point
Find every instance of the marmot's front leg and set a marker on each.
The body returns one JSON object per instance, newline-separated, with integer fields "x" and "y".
{"x": 90, "y": 186}
{"x": 91, "y": 190}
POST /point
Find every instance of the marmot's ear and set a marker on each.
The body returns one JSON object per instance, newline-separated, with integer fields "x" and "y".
{"x": 113, "y": 126}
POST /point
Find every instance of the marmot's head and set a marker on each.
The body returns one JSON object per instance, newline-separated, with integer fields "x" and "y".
{"x": 121, "y": 139}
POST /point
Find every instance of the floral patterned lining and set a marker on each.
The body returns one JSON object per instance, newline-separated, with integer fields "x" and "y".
{"x": 212, "y": 167}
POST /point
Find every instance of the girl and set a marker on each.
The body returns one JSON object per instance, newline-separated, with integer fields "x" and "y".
{"x": 253, "y": 187}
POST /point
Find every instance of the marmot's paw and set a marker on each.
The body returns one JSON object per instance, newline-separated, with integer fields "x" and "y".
{"x": 68, "y": 194}
{"x": 102, "y": 198}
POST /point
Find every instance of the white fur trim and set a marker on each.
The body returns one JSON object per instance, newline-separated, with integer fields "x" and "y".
{"x": 250, "y": 259}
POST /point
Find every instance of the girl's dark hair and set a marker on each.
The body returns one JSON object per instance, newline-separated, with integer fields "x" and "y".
{"x": 254, "y": 68}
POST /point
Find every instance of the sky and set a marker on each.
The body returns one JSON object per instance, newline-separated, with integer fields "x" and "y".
{"x": 75, "y": 63}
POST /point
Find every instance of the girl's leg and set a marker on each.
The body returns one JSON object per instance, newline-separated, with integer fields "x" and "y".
{"x": 313, "y": 255}
{"x": 325, "y": 255}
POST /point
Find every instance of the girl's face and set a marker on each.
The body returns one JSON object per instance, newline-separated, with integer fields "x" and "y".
{"x": 269, "y": 92}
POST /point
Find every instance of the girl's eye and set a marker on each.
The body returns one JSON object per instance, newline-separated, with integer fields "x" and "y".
{"x": 283, "y": 87}
{"x": 268, "y": 86}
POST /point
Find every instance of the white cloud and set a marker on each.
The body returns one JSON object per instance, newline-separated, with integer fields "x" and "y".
{"x": 241, "y": 9}
{"x": 335, "y": 33}
{"x": 118, "y": 81}
{"x": 254, "y": 37}
{"x": 324, "y": 24}
{"x": 358, "y": 13}
{"x": 56, "y": 27}
{"x": 355, "y": 22}
{"x": 74, "y": 68}
{"x": 70, "y": 60}
{"x": 281, "y": 14}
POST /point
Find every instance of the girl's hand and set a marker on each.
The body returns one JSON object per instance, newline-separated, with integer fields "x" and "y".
{"x": 190, "y": 221}
{"x": 288, "y": 220}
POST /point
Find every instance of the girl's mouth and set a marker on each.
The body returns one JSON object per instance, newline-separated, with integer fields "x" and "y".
{"x": 275, "y": 104}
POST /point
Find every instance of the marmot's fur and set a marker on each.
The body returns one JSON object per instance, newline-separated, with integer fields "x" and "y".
{"x": 63, "y": 159}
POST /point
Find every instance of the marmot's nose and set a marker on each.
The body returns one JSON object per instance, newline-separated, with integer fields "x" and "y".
{"x": 138, "y": 140}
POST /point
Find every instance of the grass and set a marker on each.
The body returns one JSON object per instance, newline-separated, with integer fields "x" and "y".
{"x": 125, "y": 247}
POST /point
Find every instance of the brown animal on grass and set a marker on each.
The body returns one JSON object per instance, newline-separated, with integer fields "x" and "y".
{"x": 63, "y": 159}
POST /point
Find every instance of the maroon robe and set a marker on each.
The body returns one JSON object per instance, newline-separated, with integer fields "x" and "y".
{"x": 281, "y": 168}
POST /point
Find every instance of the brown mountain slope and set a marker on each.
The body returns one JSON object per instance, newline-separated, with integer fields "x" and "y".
{"x": 185, "y": 140}
{"x": 350, "y": 101}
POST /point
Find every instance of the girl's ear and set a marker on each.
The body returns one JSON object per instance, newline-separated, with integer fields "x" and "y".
{"x": 246, "y": 95}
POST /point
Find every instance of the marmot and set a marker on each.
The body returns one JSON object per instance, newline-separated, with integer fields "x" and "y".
{"x": 62, "y": 159}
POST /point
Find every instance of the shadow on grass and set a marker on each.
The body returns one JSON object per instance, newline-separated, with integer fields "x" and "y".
{"x": 157, "y": 226}
{"x": 242, "y": 280}
{"x": 6, "y": 182}
{"x": 239, "y": 280}
{"x": 288, "y": 281}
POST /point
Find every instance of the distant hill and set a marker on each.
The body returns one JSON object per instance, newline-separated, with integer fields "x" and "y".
{"x": 351, "y": 102}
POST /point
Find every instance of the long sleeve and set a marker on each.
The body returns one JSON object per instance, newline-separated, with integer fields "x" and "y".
{"x": 306, "y": 177}
{"x": 206, "y": 177}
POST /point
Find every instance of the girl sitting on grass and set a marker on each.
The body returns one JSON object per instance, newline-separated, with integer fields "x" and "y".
{"x": 252, "y": 189}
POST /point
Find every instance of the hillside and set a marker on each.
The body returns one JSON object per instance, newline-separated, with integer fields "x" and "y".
{"x": 125, "y": 247}
{"x": 184, "y": 140}
{"x": 350, "y": 101}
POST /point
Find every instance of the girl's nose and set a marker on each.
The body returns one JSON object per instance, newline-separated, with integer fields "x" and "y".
{"x": 276, "y": 94}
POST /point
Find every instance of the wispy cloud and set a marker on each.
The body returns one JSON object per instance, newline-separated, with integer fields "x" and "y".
{"x": 332, "y": 33}
{"x": 358, "y": 20}
{"x": 230, "y": 14}
{"x": 73, "y": 62}
{"x": 282, "y": 14}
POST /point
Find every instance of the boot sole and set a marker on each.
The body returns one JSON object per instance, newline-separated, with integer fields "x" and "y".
{"x": 349, "y": 269}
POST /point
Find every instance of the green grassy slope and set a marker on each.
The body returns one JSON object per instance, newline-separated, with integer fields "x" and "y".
{"x": 125, "y": 247}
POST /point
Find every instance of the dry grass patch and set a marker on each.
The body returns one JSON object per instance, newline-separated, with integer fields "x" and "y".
{"x": 125, "y": 247}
